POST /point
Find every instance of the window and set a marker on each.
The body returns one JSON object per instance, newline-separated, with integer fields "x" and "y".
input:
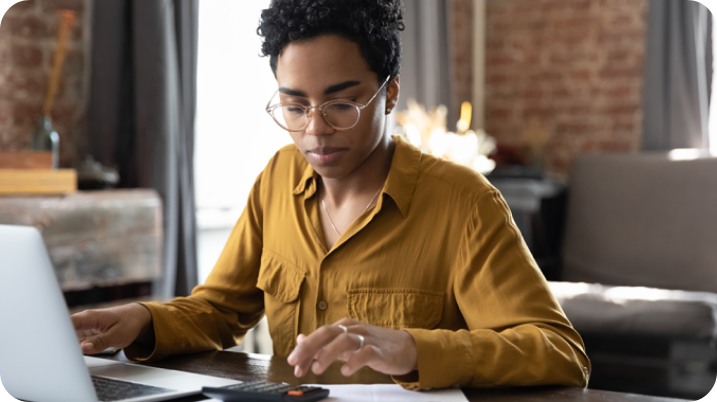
{"x": 712, "y": 129}
{"x": 234, "y": 136}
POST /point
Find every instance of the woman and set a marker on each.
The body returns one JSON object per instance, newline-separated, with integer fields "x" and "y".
{"x": 356, "y": 245}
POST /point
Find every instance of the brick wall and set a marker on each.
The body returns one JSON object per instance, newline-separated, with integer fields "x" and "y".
{"x": 461, "y": 12}
{"x": 571, "y": 69}
{"x": 27, "y": 48}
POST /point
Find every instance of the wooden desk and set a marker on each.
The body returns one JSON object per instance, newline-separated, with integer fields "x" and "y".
{"x": 252, "y": 367}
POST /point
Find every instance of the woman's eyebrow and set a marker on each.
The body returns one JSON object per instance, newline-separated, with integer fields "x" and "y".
{"x": 340, "y": 87}
{"x": 292, "y": 92}
{"x": 327, "y": 91}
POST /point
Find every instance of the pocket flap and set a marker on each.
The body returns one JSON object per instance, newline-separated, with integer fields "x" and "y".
{"x": 397, "y": 308}
{"x": 279, "y": 278}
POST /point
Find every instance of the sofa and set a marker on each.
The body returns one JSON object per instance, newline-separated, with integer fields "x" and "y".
{"x": 639, "y": 270}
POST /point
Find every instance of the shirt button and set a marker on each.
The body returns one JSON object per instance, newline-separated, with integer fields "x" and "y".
{"x": 323, "y": 305}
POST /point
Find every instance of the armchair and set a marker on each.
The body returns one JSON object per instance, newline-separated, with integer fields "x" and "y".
{"x": 639, "y": 271}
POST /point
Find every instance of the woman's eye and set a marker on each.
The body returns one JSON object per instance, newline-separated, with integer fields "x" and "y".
{"x": 295, "y": 110}
{"x": 341, "y": 106}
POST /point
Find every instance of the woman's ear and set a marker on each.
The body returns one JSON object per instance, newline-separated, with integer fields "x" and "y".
{"x": 392, "y": 90}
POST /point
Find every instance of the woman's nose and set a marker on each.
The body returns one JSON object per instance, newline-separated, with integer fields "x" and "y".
{"x": 317, "y": 124}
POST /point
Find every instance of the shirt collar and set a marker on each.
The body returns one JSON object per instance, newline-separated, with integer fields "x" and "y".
{"x": 307, "y": 183}
{"x": 403, "y": 175}
{"x": 400, "y": 183}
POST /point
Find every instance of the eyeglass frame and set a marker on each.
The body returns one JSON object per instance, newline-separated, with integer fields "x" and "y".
{"x": 270, "y": 108}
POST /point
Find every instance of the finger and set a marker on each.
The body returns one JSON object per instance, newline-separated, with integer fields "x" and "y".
{"x": 85, "y": 321}
{"x": 347, "y": 322}
{"x": 344, "y": 344}
{"x": 301, "y": 369}
{"x": 298, "y": 370}
{"x": 304, "y": 352}
{"x": 86, "y": 325}
{"x": 93, "y": 345}
{"x": 98, "y": 343}
{"x": 367, "y": 356}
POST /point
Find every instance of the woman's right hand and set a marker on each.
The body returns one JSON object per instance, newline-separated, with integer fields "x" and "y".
{"x": 115, "y": 327}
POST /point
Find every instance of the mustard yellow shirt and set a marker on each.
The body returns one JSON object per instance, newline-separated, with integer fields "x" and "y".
{"x": 439, "y": 256}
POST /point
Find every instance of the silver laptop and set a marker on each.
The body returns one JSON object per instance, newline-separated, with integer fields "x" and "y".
{"x": 40, "y": 356}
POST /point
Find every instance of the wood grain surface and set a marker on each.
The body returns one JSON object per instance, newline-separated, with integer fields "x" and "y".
{"x": 253, "y": 367}
{"x": 95, "y": 238}
{"x": 37, "y": 181}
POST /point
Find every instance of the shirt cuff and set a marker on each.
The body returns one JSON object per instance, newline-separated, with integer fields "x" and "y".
{"x": 140, "y": 353}
{"x": 444, "y": 360}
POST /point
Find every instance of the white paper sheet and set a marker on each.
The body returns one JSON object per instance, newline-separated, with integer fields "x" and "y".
{"x": 388, "y": 393}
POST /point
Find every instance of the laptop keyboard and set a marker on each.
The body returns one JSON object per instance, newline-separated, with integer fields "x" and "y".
{"x": 114, "y": 390}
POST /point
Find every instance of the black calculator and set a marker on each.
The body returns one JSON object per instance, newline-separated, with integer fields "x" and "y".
{"x": 266, "y": 391}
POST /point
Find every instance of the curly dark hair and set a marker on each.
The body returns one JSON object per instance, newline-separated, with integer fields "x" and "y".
{"x": 373, "y": 25}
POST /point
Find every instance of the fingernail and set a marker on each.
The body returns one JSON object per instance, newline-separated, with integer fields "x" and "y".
{"x": 315, "y": 367}
{"x": 297, "y": 371}
{"x": 88, "y": 346}
{"x": 345, "y": 370}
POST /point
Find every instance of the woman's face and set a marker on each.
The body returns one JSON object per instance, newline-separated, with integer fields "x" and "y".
{"x": 325, "y": 68}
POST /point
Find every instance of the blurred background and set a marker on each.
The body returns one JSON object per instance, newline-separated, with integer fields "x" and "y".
{"x": 132, "y": 130}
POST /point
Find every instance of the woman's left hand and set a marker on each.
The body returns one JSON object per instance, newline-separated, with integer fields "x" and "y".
{"x": 388, "y": 351}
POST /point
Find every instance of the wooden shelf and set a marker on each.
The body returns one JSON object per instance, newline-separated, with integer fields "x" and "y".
{"x": 26, "y": 160}
{"x": 37, "y": 181}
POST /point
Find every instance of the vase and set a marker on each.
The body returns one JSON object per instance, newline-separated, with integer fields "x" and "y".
{"x": 46, "y": 138}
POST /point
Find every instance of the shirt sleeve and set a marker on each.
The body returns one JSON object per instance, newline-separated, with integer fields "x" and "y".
{"x": 518, "y": 335}
{"x": 218, "y": 314}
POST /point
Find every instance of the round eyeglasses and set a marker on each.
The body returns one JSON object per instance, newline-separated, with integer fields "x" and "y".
{"x": 340, "y": 114}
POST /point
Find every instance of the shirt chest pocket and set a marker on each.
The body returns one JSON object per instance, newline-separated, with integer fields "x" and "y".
{"x": 396, "y": 308}
{"x": 281, "y": 282}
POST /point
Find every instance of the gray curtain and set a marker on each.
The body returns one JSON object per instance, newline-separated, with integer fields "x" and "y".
{"x": 141, "y": 115}
{"x": 426, "y": 66}
{"x": 678, "y": 75}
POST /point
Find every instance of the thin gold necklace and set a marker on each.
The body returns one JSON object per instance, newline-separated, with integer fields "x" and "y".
{"x": 364, "y": 211}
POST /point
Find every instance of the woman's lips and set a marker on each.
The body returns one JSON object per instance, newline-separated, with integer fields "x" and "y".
{"x": 325, "y": 155}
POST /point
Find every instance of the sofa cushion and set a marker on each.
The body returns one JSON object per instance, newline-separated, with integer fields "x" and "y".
{"x": 642, "y": 220}
{"x": 628, "y": 310}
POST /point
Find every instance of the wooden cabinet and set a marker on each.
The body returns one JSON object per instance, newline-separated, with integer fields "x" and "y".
{"x": 95, "y": 238}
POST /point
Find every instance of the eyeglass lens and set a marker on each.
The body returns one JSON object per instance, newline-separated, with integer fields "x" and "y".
{"x": 339, "y": 115}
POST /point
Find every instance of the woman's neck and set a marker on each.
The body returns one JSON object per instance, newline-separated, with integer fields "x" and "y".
{"x": 366, "y": 178}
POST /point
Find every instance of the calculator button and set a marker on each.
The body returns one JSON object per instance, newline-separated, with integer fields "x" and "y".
{"x": 296, "y": 393}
